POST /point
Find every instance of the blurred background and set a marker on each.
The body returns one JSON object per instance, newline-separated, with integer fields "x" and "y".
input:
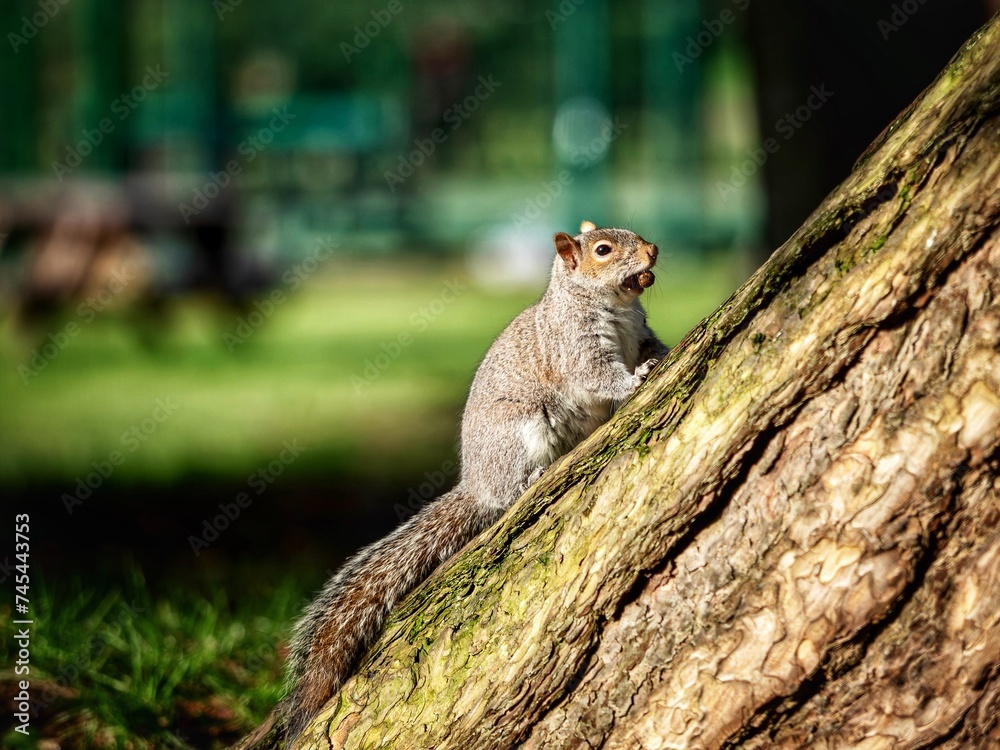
{"x": 250, "y": 255}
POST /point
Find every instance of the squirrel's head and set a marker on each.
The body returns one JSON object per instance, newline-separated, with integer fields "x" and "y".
{"x": 613, "y": 262}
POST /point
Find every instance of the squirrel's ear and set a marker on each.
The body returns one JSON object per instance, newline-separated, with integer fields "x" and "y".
{"x": 568, "y": 249}
{"x": 587, "y": 226}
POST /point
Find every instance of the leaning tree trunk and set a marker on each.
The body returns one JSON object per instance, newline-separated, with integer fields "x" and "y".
{"x": 790, "y": 537}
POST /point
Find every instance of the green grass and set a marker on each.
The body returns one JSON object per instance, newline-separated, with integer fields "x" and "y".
{"x": 117, "y": 670}
{"x": 294, "y": 378}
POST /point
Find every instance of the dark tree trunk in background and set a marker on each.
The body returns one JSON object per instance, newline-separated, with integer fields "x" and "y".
{"x": 791, "y": 536}
{"x": 874, "y": 66}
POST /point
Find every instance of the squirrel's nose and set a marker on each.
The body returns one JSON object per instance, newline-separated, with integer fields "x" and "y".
{"x": 653, "y": 252}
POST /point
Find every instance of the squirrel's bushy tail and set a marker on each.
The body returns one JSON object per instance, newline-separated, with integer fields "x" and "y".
{"x": 347, "y": 616}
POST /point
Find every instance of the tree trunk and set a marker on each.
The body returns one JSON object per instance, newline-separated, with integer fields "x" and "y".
{"x": 790, "y": 537}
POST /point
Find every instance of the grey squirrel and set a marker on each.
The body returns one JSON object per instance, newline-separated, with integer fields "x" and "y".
{"x": 553, "y": 376}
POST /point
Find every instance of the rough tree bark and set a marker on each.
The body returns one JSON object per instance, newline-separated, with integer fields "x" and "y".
{"x": 791, "y": 536}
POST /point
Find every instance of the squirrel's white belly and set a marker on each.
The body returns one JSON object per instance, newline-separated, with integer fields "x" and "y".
{"x": 620, "y": 332}
{"x": 577, "y": 412}
{"x": 562, "y": 426}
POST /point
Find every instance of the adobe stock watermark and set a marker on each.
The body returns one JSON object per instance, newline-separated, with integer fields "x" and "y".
{"x": 259, "y": 481}
{"x": 420, "y": 320}
{"x": 121, "y": 107}
{"x": 87, "y": 310}
{"x": 454, "y": 117}
{"x": 426, "y": 491}
{"x": 712, "y": 29}
{"x": 564, "y": 10}
{"x": 363, "y": 35}
{"x": 582, "y": 158}
{"x": 248, "y": 148}
{"x": 47, "y": 10}
{"x": 292, "y": 279}
{"x": 223, "y": 7}
{"x": 901, "y": 13}
{"x": 786, "y": 126}
{"x": 132, "y": 439}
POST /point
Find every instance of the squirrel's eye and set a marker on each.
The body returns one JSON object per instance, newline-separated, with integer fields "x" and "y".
{"x": 603, "y": 250}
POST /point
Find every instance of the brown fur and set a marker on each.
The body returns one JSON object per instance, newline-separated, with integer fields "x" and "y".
{"x": 348, "y": 614}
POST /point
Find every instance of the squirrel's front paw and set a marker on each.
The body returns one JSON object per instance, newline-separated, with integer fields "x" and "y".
{"x": 643, "y": 370}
